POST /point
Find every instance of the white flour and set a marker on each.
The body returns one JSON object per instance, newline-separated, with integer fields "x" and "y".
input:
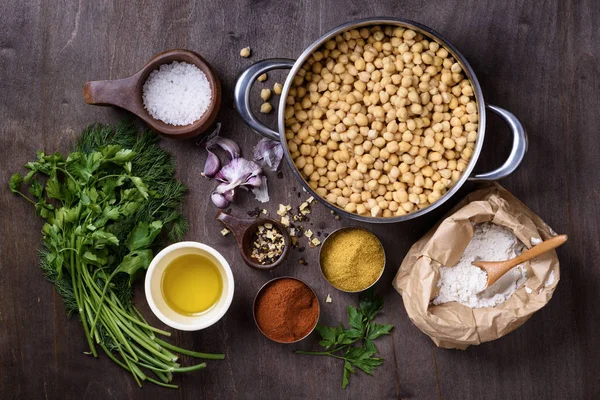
{"x": 463, "y": 282}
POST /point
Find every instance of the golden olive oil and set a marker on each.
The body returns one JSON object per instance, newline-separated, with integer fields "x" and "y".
{"x": 191, "y": 284}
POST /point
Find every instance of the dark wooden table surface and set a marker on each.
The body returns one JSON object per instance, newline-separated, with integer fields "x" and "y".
{"x": 537, "y": 59}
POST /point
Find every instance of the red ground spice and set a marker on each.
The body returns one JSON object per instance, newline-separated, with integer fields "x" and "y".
{"x": 286, "y": 310}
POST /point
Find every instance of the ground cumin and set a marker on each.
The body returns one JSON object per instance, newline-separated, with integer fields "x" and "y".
{"x": 352, "y": 259}
{"x": 286, "y": 310}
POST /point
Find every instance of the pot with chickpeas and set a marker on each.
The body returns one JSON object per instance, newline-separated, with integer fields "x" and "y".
{"x": 381, "y": 119}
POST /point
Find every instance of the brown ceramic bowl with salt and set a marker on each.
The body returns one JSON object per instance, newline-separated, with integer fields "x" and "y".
{"x": 126, "y": 93}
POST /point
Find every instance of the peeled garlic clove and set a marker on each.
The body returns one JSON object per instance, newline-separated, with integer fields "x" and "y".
{"x": 212, "y": 165}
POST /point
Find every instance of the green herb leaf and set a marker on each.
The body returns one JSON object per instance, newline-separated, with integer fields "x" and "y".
{"x": 15, "y": 182}
{"x": 376, "y": 331}
{"x": 143, "y": 235}
{"x": 140, "y": 185}
{"x": 370, "y": 345}
{"x": 101, "y": 238}
{"x": 135, "y": 262}
{"x": 370, "y": 304}
{"x": 347, "y": 371}
{"x": 94, "y": 258}
{"x": 54, "y": 188}
{"x": 328, "y": 334}
{"x": 355, "y": 318}
{"x": 36, "y": 189}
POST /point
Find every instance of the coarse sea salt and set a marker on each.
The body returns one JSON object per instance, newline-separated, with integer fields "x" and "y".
{"x": 464, "y": 282}
{"x": 177, "y": 94}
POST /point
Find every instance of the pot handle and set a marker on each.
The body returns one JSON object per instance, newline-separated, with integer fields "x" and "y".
{"x": 242, "y": 92}
{"x": 519, "y": 147}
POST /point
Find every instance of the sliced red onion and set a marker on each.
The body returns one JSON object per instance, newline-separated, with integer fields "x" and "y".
{"x": 212, "y": 165}
{"x": 268, "y": 152}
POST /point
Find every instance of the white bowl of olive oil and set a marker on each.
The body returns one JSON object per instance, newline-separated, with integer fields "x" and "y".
{"x": 189, "y": 286}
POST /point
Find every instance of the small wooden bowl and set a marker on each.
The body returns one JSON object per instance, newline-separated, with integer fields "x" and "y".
{"x": 244, "y": 229}
{"x": 126, "y": 93}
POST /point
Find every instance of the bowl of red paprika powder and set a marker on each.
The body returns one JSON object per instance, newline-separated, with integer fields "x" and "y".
{"x": 286, "y": 310}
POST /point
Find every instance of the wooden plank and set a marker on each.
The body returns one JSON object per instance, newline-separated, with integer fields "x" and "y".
{"x": 539, "y": 61}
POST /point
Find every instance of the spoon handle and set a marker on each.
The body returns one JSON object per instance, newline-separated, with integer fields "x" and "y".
{"x": 236, "y": 225}
{"x": 539, "y": 249}
{"x": 116, "y": 92}
{"x": 496, "y": 269}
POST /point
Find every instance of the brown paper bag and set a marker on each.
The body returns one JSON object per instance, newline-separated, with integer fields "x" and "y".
{"x": 453, "y": 325}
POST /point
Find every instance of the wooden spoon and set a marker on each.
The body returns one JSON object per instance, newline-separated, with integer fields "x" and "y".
{"x": 496, "y": 269}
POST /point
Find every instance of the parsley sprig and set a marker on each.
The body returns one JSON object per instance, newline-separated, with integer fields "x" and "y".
{"x": 355, "y": 345}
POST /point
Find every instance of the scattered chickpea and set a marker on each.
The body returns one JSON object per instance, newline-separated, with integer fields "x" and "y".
{"x": 277, "y": 88}
{"x": 245, "y": 52}
{"x": 262, "y": 78}
{"x": 266, "y": 108}
{"x": 265, "y": 94}
{"x": 381, "y": 121}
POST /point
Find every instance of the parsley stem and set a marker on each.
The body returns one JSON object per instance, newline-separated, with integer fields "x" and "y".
{"x": 159, "y": 383}
{"x": 77, "y": 287}
{"x": 207, "y": 356}
{"x": 25, "y": 197}
{"x": 102, "y": 300}
{"x": 158, "y": 363}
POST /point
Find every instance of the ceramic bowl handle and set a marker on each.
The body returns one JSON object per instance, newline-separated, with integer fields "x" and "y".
{"x": 519, "y": 147}
{"x": 242, "y": 92}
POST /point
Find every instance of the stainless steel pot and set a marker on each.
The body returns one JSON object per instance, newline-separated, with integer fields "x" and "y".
{"x": 248, "y": 77}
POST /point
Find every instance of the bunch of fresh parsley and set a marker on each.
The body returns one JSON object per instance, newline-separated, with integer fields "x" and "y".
{"x": 355, "y": 345}
{"x": 106, "y": 205}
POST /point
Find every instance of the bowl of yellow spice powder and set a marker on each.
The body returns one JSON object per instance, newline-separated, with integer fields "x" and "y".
{"x": 352, "y": 259}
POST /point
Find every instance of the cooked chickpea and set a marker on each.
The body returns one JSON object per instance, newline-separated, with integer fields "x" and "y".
{"x": 265, "y": 94}
{"x": 266, "y": 108}
{"x": 381, "y": 121}
{"x": 277, "y": 88}
{"x": 245, "y": 52}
